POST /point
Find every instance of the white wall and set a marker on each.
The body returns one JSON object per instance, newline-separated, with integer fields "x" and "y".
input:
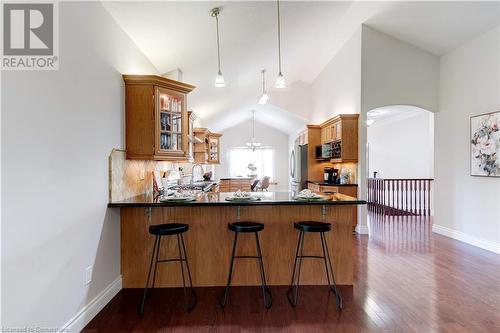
{"x": 397, "y": 73}
{"x": 467, "y": 207}
{"x": 392, "y": 73}
{"x": 240, "y": 134}
{"x": 337, "y": 89}
{"x": 58, "y": 128}
{"x": 402, "y": 146}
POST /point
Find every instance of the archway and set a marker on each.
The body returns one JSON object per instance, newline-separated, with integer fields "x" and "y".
{"x": 400, "y": 163}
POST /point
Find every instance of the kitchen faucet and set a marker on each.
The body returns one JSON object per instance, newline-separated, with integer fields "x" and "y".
{"x": 192, "y": 171}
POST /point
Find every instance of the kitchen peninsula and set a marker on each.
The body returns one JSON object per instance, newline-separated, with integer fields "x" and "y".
{"x": 209, "y": 242}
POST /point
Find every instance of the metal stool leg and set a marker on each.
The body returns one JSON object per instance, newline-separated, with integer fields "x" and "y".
{"x": 326, "y": 254}
{"x": 226, "y": 291}
{"x": 156, "y": 261}
{"x": 182, "y": 258}
{"x": 193, "y": 293}
{"x": 265, "y": 289}
{"x": 292, "y": 290}
{"x": 141, "y": 308}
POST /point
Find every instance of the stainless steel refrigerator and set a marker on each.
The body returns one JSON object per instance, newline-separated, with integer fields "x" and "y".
{"x": 298, "y": 167}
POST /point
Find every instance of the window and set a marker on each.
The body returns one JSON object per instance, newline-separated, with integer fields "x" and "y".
{"x": 240, "y": 157}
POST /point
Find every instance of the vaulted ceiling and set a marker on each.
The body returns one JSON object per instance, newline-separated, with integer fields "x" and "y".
{"x": 181, "y": 35}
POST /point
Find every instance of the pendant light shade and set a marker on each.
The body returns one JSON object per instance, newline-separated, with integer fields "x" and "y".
{"x": 280, "y": 80}
{"x": 219, "y": 79}
{"x": 264, "y": 98}
{"x": 253, "y": 144}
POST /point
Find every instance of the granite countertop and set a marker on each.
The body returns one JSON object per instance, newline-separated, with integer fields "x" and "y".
{"x": 219, "y": 199}
{"x": 322, "y": 183}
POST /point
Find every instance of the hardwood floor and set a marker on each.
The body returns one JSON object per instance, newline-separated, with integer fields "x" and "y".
{"x": 407, "y": 279}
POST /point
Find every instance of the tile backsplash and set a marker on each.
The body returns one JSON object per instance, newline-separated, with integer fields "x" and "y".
{"x": 128, "y": 178}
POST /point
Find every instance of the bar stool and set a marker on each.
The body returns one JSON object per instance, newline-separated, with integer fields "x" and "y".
{"x": 169, "y": 229}
{"x": 321, "y": 228}
{"x": 247, "y": 227}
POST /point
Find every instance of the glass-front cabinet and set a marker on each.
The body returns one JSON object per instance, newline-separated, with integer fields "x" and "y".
{"x": 207, "y": 146}
{"x": 172, "y": 131}
{"x": 156, "y": 118}
{"x": 214, "y": 148}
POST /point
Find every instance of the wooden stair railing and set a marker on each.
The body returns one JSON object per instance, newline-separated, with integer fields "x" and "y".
{"x": 400, "y": 196}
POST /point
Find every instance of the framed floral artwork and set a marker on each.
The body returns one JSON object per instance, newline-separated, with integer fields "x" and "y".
{"x": 485, "y": 145}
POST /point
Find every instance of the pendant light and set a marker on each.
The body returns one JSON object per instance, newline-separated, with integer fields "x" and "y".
{"x": 253, "y": 144}
{"x": 280, "y": 80}
{"x": 219, "y": 79}
{"x": 264, "y": 98}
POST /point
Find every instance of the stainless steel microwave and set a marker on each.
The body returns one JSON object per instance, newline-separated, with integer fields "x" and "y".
{"x": 324, "y": 151}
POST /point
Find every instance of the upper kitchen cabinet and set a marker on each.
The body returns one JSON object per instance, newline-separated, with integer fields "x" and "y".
{"x": 207, "y": 146}
{"x": 156, "y": 118}
{"x": 191, "y": 137}
{"x": 214, "y": 148}
{"x": 341, "y": 133}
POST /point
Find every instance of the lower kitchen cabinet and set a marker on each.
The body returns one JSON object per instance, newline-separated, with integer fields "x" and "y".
{"x": 235, "y": 184}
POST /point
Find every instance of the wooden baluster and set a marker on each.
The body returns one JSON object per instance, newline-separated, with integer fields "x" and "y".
{"x": 384, "y": 195}
{"x": 426, "y": 191}
{"x": 397, "y": 196}
{"x": 415, "y": 197}
{"x": 429, "y": 199}
{"x": 419, "y": 197}
{"x": 423, "y": 198}
{"x": 377, "y": 194}
{"x": 415, "y": 193}
{"x": 393, "y": 196}
{"x": 396, "y": 183}
{"x": 411, "y": 196}
{"x": 406, "y": 191}
{"x": 400, "y": 196}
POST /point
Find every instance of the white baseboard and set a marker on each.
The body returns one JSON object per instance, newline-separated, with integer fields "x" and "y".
{"x": 89, "y": 311}
{"x": 463, "y": 237}
{"x": 362, "y": 229}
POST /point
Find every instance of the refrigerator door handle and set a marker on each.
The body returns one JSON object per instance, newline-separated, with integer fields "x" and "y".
{"x": 292, "y": 164}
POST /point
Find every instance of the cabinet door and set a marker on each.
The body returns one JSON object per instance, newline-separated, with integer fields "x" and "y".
{"x": 213, "y": 150}
{"x": 171, "y": 124}
{"x": 333, "y": 132}
{"x": 323, "y": 135}
{"x": 190, "y": 135}
{"x": 338, "y": 131}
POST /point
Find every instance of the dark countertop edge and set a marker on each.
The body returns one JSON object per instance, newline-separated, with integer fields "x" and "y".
{"x": 317, "y": 182}
{"x": 209, "y": 204}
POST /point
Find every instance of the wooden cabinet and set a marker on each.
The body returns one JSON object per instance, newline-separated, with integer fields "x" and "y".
{"x": 342, "y": 133}
{"x": 347, "y": 190}
{"x": 207, "y": 146}
{"x": 235, "y": 184}
{"x": 191, "y": 139}
{"x": 156, "y": 119}
{"x": 314, "y": 187}
{"x": 214, "y": 148}
{"x": 303, "y": 138}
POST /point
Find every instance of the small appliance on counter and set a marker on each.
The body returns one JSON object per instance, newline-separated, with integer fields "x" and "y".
{"x": 331, "y": 175}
